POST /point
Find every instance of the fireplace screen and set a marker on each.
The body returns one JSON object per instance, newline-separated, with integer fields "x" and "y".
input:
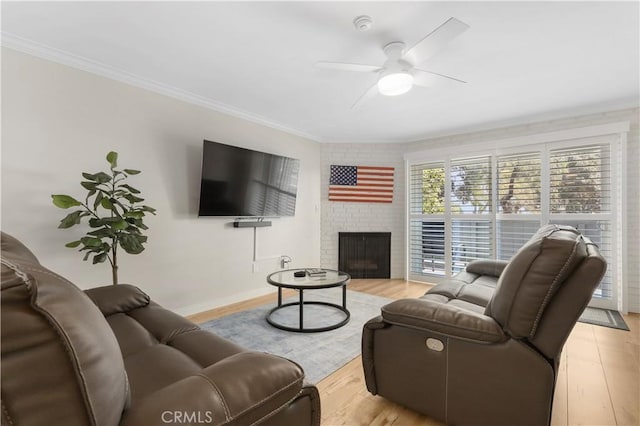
{"x": 365, "y": 254}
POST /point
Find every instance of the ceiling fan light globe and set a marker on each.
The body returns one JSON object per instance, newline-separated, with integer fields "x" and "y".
{"x": 395, "y": 84}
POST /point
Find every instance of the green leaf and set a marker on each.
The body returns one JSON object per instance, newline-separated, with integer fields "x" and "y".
{"x": 89, "y": 185}
{"x": 111, "y": 221}
{"x": 73, "y": 244}
{"x": 133, "y": 199}
{"x": 132, "y": 244}
{"x": 86, "y": 255}
{"x": 140, "y": 224}
{"x": 131, "y": 171}
{"x": 102, "y": 233}
{"x": 99, "y": 258}
{"x": 106, "y": 203}
{"x": 102, "y": 177}
{"x": 149, "y": 209}
{"x": 130, "y": 188}
{"x": 98, "y": 199}
{"x": 91, "y": 242}
{"x": 88, "y": 176}
{"x": 120, "y": 225}
{"x": 64, "y": 201}
{"x": 71, "y": 219}
{"x": 134, "y": 214}
{"x": 112, "y": 158}
{"x": 96, "y": 223}
{"x": 89, "y": 195}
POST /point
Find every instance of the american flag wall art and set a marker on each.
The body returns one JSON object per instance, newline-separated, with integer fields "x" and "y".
{"x": 365, "y": 184}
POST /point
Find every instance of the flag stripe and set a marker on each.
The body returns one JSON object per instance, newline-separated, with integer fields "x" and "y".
{"x": 361, "y": 184}
{"x": 376, "y": 168}
{"x": 356, "y": 189}
{"x": 374, "y": 174}
{"x": 364, "y": 201}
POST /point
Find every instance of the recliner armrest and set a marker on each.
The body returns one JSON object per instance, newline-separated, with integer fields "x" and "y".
{"x": 490, "y": 267}
{"x": 242, "y": 389}
{"x": 115, "y": 299}
{"x": 443, "y": 318}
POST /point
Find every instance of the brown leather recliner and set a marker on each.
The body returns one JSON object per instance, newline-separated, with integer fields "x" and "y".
{"x": 111, "y": 356}
{"x": 483, "y": 347}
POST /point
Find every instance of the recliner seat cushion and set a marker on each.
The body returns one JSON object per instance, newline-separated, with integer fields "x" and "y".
{"x": 159, "y": 347}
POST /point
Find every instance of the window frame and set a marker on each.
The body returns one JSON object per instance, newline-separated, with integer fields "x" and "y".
{"x": 613, "y": 134}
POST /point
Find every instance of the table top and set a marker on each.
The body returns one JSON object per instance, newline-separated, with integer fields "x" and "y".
{"x": 286, "y": 279}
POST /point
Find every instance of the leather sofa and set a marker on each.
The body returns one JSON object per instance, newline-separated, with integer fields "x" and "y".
{"x": 112, "y": 356}
{"x": 483, "y": 347}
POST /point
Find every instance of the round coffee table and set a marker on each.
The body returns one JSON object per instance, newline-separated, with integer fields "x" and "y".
{"x": 330, "y": 278}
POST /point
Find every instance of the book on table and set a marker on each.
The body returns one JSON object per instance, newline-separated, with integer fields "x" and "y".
{"x": 315, "y": 272}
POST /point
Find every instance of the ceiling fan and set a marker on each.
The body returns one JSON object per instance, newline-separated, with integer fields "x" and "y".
{"x": 399, "y": 73}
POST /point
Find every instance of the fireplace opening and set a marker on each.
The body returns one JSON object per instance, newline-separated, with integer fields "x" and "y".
{"x": 365, "y": 254}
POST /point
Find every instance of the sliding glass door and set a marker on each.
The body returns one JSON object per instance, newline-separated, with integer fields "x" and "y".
{"x": 487, "y": 206}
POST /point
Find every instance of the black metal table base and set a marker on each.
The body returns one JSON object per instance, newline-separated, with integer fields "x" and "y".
{"x": 301, "y": 303}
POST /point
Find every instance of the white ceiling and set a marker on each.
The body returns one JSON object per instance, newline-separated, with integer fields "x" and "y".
{"x": 522, "y": 60}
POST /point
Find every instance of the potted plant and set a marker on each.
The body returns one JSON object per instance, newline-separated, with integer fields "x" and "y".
{"x": 114, "y": 214}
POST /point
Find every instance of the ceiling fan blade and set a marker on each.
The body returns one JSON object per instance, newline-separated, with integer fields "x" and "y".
{"x": 343, "y": 66}
{"x": 426, "y": 78}
{"x": 435, "y": 40}
{"x": 367, "y": 96}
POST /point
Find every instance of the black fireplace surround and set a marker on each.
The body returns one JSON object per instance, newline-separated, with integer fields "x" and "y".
{"x": 365, "y": 254}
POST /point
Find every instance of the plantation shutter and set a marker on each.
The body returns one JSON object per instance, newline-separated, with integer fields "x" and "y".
{"x": 519, "y": 201}
{"x": 580, "y": 196}
{"x": 580, "y": 179}
{"x": 471, "y": 186}
{"x": 471, "y": 204}
{"x": 470, "y": 240}
{"x": 426, "y": 220}
{"x": 461, "y": 209}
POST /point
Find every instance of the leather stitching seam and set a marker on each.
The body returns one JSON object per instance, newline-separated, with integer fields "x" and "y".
{"x": 217, "y": 390}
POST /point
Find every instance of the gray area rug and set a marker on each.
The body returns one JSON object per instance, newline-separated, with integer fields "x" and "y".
{"x": 604, "y": 317}
{"x": 319, "y": 354}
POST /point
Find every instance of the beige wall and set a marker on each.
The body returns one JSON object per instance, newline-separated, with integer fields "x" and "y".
{"x": 59, "y": 121}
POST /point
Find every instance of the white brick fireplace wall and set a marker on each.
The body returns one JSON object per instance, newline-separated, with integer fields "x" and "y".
{"x": 363, "y": 217}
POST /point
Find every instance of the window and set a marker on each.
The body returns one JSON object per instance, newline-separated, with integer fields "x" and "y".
{"x": 580, "y": 196}
{"x": 471, "y": 202}
{"x": 580, "y": 180}
{"x": 519, "y": 183}
{"x": 519, "y": 201}
{"x": 471, "y": 185}
{"x": 466, "y": 208}
{"x": 427, "y": 239}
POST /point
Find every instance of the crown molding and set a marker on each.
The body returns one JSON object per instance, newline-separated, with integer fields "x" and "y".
{"x": 14, "y": 42}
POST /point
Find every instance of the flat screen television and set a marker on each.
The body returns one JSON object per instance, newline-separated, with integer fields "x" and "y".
{"x": 240, "y": 182}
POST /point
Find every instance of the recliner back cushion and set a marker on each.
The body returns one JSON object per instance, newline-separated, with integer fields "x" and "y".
{"x": 533, "y": 276}
{"x": 61, "y": 363}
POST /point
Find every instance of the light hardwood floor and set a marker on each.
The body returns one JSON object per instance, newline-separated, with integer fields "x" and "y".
{"x": 598, "y": 380}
